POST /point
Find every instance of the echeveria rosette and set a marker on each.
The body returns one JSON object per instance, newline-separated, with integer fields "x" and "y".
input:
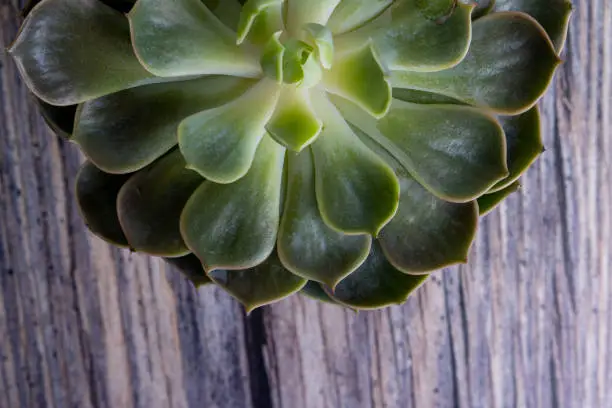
{"x": 341, "y": 148}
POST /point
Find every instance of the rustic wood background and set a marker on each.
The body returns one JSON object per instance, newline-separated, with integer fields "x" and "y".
{"x": 527, "y": 324}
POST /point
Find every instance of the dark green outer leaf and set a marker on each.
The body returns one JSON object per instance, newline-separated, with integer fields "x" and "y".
{"x": 70, "y": 51}
{"x": 128, "y": 130}
{"x": 150, "y": 204}
{"x": 96, "y": 194}
{"x": 375, "y": 284}
{"x": 191, "y": 267}
{"x": 266, "y": 283}
{"x": 509, "y": 65}
{"x": 488, "y": 202}
{"x": 59, "y": 118}
{"x": 553, "y": 15}
{"x": 524, "y": 144}
{"x": 426, "y": 233}
{"x": 306, "y": 245}
{"x": 314, "y": 291}
{"x": 234, "y": 226}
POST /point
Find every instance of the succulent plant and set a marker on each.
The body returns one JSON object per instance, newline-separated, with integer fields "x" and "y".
{"x": 343, "y": 149}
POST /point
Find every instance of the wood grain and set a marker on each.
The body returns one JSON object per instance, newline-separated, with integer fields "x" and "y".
{"x": 527, "y": 323}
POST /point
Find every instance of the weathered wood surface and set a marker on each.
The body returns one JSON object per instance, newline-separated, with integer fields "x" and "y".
{"x": 527, "y": 324}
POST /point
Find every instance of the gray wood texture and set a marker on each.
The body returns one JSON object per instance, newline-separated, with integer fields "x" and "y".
{"x": 528, "y": 323}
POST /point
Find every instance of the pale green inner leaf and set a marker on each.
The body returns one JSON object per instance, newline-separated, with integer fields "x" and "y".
{"x": 357, "y": 76}
{"x": 294, "y": 123}
{"x": 220, "y": 143}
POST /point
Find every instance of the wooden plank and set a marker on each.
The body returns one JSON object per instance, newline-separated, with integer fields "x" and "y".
{"x": 527, "y": 323}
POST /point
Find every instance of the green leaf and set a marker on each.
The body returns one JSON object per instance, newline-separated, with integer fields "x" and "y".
{"x": 489, "y": 202}
{"x": 272, "y": 58}
{"x": 454, "y": 151}
{"x": 427, "y": 233}
{"x": 483, "y": 7}
{"x": 251, "y": 11}
{"x": 227, "y": 11}
{"x": 182, "y": 38}
{"x": 71, "y": 51}
{"x": 352, "y": 14}
{"x": 59, "y": 118}
{"x": 306, "y": 245}
{"x": 266, "y": 283}
{"x": 300, "y": 13}
{"x": 220, "y": 143}
{"x": 322, "y": 39}
{"x": 524, "y": 144}
{"x": 424, "y": 98}
{"x": 416, "y": 39}
{"x": 128, "y": 130}
{"x": 96, "y": 195}
{"x": 358, "y": 76}
{"x": 190, "y": 266}
{"x": 507, "y": 69}
{"x": 294, "y": 123}
{"x": 234, "y": 226}
{"x": 553, "y": 15}
{"x": 151, "y": 202}
{"x": 375, "y": 284}
{"x": 314, "y": 291}
{"x": 356, "y": 191}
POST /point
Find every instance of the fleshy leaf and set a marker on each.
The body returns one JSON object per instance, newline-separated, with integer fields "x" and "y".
{"x": 306, "y": 245}
{"x": 251, "y": 10}
{"x": 300, "y": 12}
{"x": 191, "y": 267}
{"x": 482, "y": 7}
{"x": 417, "y": 39}
{"x": 524, "y": 144}
{"x": 315, "y": 291}
{"x": 357, "y": 76}
{"x": 266, "y": 283}
{"x": 375, "y": 284}
{"x": 227, "y": 11}
{"x": 423, "y": 97}
{"x": 220, "y": 143}
{"x": 183, "y": 38}
{"x": 59, "y": 118}
{"x": 272, "y": 58}
{"x": 351, "y": 14}
{"x": 128, "y": 130}
{"x": 357, "y": 192}
{"x": 71, "y": 51}
{"x": 234, "y": 226}
{"x": 509, "y": 65}
{"x": 322, "y": 39}
{"x": 426, "y": 233}
{"x": 454, "y": 151}
{"x": 294, "y": 123}
{"x": 150, "y": 205}
{"x": 489, "y": 202}
{"x": 553, "y": 15}
{"x": 96, "y": 194}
